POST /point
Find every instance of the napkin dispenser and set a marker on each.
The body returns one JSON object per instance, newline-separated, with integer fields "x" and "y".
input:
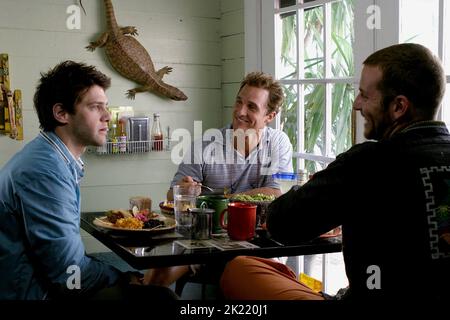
{"x": 139, "y": 134}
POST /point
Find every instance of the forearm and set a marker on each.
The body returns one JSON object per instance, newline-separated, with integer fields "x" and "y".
{"x": 306, "y": 212}
{"x": 49, "y": 209}
{"x": 93, "y": 277}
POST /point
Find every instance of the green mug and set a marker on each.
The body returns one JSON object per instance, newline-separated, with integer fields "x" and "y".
{"x": 218, "y": 203}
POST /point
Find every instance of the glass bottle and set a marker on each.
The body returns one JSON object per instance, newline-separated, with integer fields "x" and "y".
{"x": 157, "y": 134}
{"x": 122, "y": 138}
{"x": 113, "y": 139}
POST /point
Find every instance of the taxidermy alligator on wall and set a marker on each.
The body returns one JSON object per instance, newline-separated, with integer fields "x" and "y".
{"x": 131, "y": 59}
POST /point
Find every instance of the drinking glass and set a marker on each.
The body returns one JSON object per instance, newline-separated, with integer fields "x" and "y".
{"x": 184, "y": 198}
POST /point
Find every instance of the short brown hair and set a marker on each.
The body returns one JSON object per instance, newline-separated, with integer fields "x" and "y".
{"x": 66, "y": 84}
{"x": 265, "y": 81}
{"x": 411, "y": 70}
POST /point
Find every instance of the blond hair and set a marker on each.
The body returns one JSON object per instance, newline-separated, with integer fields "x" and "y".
{"x": 265, "y": 81}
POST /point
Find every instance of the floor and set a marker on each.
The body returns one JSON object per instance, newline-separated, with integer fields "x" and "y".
{"x": 335, "y": 277}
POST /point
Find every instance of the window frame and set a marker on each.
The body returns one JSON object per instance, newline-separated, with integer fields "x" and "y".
{"x": 260, "y": 55}
{"x": 260, "y": 44}
{"x": 265, "y": 60}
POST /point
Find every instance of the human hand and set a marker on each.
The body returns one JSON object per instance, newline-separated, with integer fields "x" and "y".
{"x": 189, "y": 182}
{"x": 135, "y": 278}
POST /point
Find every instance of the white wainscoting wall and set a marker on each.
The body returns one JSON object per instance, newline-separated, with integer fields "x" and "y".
{"x": 202, "y": 40}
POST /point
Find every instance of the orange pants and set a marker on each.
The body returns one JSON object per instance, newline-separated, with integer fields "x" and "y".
{"x": 253, "y": 278}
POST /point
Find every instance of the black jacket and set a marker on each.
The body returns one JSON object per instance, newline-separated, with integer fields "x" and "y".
{"x": 386, "y": 196}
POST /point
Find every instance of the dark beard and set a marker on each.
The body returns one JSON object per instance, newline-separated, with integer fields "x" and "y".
{"x": 384, "y": 129}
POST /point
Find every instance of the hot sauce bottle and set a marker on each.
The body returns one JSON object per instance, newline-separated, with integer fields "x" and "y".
{"x": 157, "y": 134}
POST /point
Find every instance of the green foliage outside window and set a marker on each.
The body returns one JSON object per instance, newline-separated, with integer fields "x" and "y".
{"x": 342, "y": 36}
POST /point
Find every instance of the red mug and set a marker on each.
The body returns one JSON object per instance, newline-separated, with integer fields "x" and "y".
{"x": 241, "y": 220}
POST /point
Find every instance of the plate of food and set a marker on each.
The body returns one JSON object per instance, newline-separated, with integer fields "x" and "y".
{"x": 167, "y": 207}
{"x": 121, "y": 220}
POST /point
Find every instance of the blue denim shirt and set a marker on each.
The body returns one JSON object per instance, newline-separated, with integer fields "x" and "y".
{"x": 40, "y": 242}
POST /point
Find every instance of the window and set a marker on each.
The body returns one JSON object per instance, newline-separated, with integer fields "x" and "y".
{"x": 316, "y": 49}
{"x": 314, "y": 62}
{"x": 313, "y": 58}
{"x": 433, "y": 31}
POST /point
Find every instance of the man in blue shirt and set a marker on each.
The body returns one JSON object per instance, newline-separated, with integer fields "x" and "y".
{"x": 41, "y": 252}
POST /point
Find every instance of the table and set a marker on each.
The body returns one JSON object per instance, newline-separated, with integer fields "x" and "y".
{"x": 162, "y": 250}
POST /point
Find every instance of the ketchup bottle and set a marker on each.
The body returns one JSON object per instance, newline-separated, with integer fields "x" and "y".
{"x": 157, "y": 134}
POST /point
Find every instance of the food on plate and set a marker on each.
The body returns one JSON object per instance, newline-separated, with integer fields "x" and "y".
{"x": 134, "y": 223}
{"x": 255, "y": 197}
{"x": 140, "y": 203}
{"x": 115, "y": 214}
{"x": 153, "y": 223}
{"x": 167, "y": 204}
{"x": 129, "y": 223}
{"x": 156, "y": 223}
{"x": 167, "y": 207}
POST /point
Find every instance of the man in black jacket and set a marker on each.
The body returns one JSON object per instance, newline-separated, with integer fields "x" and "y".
{"x": 392, "y": 196}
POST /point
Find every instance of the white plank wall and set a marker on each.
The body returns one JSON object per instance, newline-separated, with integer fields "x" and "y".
{"x": 233, "y": 64}
{"x": 201, "y": 39}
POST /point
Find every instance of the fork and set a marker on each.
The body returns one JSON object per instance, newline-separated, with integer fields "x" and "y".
{"x": 157, "y": 227}
{"x": 207, "y": 188}
{"x": 225, "y": 190}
